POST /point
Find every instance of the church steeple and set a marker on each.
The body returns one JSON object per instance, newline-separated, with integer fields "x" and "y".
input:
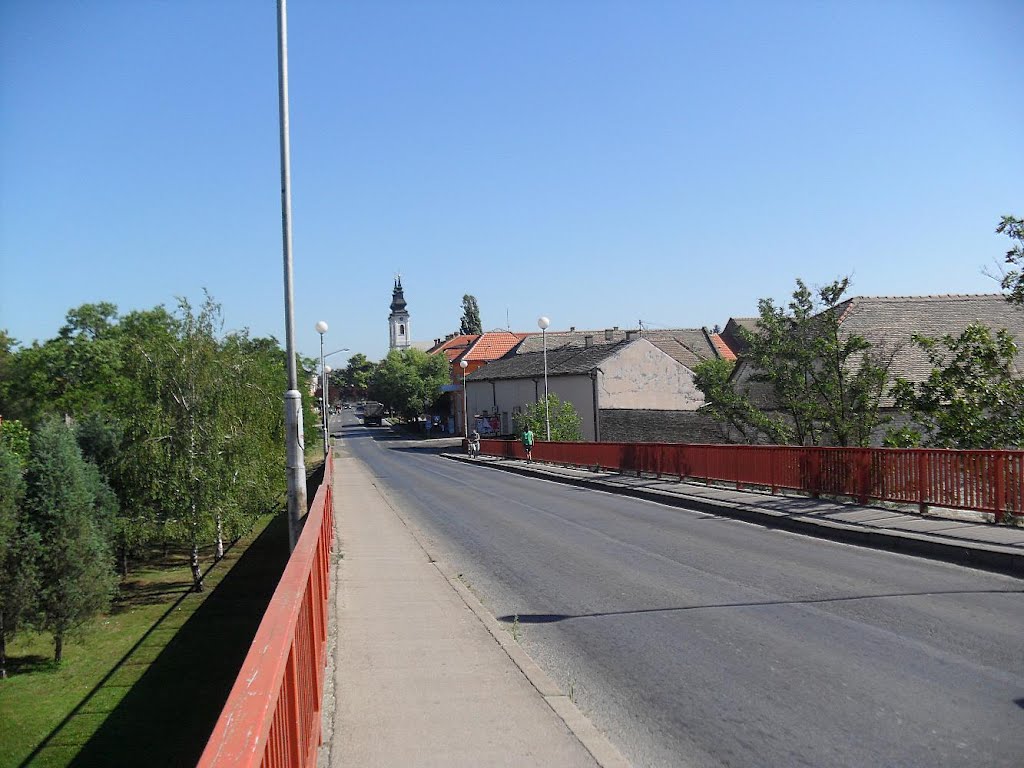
{"x": 398, "y": 320}
{"x": 397, "y": 297}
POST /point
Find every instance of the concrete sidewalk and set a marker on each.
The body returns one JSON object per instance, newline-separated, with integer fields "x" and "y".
{"x": 420, "y": 674}
{"x": 949, "y": 535}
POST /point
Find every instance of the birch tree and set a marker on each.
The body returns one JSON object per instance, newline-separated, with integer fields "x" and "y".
{"x": 209, "y": 437}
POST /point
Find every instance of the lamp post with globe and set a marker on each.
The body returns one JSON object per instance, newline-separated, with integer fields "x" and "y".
{"x": 321, "y": 328}
{"x": 465, "y": 401}
{"x": 543, "y": 323}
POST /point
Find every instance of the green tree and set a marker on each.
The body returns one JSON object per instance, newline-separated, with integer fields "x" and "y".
{"x": 15, "y": 436}
{"x": 70, "y": 509}
{"x": 470, "y": 316}
{"x": 355, "y": 379}
{"x": 101, "y": 439}
{"x": 727, "y": 405}
{"x": 827, "y": 384}
{"x": 186, "y": 434}
{"x": 8, "y": 350}
{"x": 84, "y": 360}
{"x": 972, "y": 397}
{"x": 72, "y": 374}
{"x": 251, "y": 434}
{"x": 27, "y": 388}
{"x": 18, "y": 553}
{"x": 202, "y": 452}
{"x": 123, "y": 439}
{"x": 1013, "y": 279}
{"x": 565, "y": 422}
{"x": 409, "y": 381}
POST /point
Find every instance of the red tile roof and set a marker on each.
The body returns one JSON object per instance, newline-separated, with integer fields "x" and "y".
{"x": 454, "y": 347}
{"x": 721, "y": 347}
{"x": 494, "y": 345}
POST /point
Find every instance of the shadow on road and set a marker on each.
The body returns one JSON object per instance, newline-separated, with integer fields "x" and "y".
{"x": 552, "y": 618}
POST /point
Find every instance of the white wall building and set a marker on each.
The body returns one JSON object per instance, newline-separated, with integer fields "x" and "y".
{"x": 629, "y": 375}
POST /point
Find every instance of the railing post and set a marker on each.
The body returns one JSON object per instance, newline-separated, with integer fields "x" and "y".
{"x": 771, "y": 469}
{"x": 922, "y": 485}
{"x": 815, "y": 461}
{"x": 864, "y": 474}
{"x": 1000, "y": 469}
{"x": 291, "y": 692}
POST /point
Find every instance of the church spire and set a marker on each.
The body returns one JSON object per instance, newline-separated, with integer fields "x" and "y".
{"x": 398, "y": 320}
{"x": 397, "y": 297}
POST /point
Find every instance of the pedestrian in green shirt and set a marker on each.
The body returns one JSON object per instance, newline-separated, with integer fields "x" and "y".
{"x": 528, "y": 443}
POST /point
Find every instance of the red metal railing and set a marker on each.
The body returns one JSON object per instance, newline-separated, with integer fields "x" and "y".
{"x": 272, "y": 715}
{"x": 987, "y": 481}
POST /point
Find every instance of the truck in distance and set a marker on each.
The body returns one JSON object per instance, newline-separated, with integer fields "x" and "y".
{"x": 373, "y": 413}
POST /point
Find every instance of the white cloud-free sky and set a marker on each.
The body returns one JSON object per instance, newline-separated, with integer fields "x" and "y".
{"x": 600, "y": 162}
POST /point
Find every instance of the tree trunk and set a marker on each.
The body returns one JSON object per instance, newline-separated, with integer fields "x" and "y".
{"x": 58, "y": 647}
{"x": 3, "y": 650}
{"x": 124, "y": 559}
{"x": 220, "y": 541}
{"x": 197, "y": 572}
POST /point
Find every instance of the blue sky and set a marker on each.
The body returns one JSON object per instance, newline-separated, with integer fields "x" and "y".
{"x": 597, "y": 162}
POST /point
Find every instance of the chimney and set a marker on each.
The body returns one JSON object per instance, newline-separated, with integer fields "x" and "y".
{"x": 588, "y": 340}
{"x": 607, "y": 334}
{"x": 630, "y": 335}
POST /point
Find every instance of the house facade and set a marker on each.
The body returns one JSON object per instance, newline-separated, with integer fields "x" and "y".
{"x": 477, "y": 350}
{"x": 629, "y": 375}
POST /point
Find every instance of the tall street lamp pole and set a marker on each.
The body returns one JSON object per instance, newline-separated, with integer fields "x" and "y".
{"x": 321, "y": 328}
{"x": 465, "y": 401}
{"x": 543, "y": 323}
{"x": 327, "y": 399}
{"x": 295, "y": 460}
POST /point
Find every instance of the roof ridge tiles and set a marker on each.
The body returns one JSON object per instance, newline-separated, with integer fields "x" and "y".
{"x": 935, "y": 296}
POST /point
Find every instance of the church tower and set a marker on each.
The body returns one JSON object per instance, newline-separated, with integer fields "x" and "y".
{"x": 398, "y": 320}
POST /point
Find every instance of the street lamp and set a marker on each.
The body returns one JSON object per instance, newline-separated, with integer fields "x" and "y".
{"x": 321, "y": 328}
{"x": 296, "y": 467}
{"x": 465, "y": 401}
{"x": 543, "y": 323}
{"x": 327, "y": 398}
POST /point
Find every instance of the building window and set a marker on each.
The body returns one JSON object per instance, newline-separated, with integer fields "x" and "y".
{"x": 401, "y": 330}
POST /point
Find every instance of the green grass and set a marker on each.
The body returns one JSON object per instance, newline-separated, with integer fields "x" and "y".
{"x": 143, "y": 684}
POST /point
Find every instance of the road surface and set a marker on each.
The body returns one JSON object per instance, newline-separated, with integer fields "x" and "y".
{"x": 694, "y": 640}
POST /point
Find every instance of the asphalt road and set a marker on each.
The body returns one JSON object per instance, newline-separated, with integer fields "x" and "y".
{"x": 693, "y": 640}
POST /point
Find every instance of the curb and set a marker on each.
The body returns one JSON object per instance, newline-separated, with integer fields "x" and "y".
{"x": 595, "y": 742}
{"x": 985, "y": 557}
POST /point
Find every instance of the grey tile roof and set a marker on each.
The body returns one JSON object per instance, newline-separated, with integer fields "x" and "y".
{"x": 890, "y": 322}
{"x": 562, "y": 361}
{"x": 731, "y": 334}
{"x": 686, "y": 345}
